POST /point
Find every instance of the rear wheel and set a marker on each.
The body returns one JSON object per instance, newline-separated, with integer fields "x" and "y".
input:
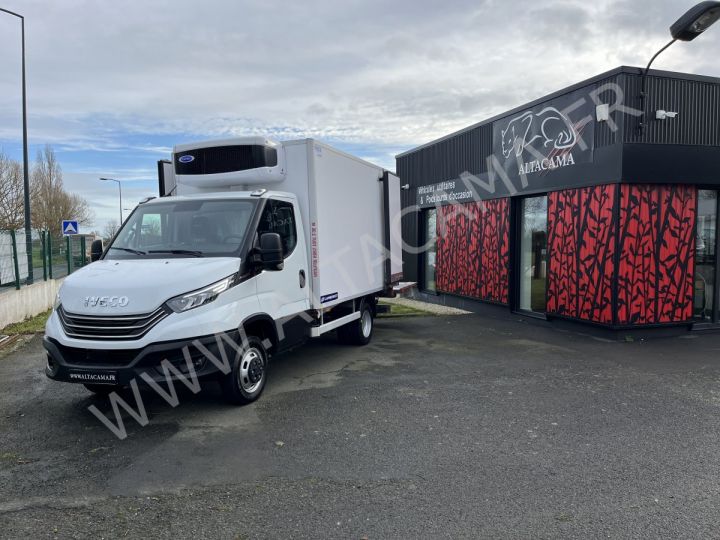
{"x": 246, "y": 381}
{"x": 103, "y": 389}
{"x": 359, "y": 331}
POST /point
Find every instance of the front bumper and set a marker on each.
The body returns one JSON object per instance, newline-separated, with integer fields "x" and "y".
{"x": 120, "y": 366}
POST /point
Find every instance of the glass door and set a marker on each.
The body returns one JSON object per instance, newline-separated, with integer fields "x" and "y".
{"x": 429, "y": 235}
{"x": 533, "y": 254}
{"x": 706, "y": 255}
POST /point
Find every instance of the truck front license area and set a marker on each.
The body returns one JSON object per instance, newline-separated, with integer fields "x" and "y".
{"x": 199, "y": 358}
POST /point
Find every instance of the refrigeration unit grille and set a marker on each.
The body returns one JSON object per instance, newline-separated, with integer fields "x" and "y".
{"x": 224, "y": 159}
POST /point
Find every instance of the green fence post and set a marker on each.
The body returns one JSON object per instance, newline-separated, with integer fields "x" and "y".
{"x": 49, "y": 250}
{"x": 43, "y": 254}
{"x": 83, "y": 262}
{"x": 15, "y": 259}
{"x": 68, "y": 254}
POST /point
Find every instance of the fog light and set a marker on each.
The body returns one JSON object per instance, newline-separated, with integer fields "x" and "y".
{"x": 198, "y": 363}
{"x": 52, "y": 365}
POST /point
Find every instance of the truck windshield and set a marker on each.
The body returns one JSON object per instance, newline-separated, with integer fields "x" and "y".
{"x": 184, "y": 228}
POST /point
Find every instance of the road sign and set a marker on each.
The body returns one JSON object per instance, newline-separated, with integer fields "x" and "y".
{"x": 70, "y": 227}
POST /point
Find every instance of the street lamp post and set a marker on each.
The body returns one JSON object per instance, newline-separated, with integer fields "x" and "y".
{"x": 119, "y": 191}
{"x": 693, "y": 23}
{"x": 26, "y": 174}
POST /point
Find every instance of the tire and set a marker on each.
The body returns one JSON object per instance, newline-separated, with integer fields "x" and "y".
{"x": 358, "y": 332}
{"x": 103, "y": 389}
{"x": 246, "y": 381}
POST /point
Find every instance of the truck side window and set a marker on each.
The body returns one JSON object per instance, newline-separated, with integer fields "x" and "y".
{"x": 279, "y": 217}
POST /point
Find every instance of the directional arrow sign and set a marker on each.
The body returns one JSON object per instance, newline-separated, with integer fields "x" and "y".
{"x": 69, "y": 227}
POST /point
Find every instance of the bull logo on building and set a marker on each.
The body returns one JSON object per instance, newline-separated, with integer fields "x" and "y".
{"x": 551, "y": 127}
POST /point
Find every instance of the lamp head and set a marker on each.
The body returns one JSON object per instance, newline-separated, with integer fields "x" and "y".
{"x": 695, "y": 21}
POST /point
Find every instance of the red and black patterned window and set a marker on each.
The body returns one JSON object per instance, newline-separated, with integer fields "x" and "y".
{"x": 657, "y": 248}
{"x": 581, "y": 247}
{"x": 473, "y": 250}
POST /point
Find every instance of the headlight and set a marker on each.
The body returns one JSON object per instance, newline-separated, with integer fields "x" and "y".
{"x": 200, "y": 297}
{"x": 57, "y": 301}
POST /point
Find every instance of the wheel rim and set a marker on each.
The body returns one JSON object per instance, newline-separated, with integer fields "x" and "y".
{"x": 252, "y": 370}
{"x": 366, "y": 323}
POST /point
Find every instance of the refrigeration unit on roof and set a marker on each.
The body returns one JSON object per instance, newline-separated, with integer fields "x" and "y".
{"x": 242, "y": 161}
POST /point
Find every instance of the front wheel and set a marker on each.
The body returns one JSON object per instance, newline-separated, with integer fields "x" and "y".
{"x": 246, "y": 381}
{"x": 359, "y": 331}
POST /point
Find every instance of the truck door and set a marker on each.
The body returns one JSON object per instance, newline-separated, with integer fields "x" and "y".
{"x": 284, "y": 293}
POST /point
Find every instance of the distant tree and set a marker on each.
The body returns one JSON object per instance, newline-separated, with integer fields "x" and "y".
{"x": 51, "y": 203}
{"x": 111, "y": 228}
{"x": 11, "y": 194}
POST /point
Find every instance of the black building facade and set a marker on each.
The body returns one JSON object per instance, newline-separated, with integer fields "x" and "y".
{"x": 576, "y": 206}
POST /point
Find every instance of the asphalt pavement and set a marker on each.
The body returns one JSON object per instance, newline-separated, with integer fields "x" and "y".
{"x": 443, "y": 427}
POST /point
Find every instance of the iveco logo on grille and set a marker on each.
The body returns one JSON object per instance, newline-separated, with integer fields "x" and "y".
{"x": 186, "y": 159}
{"x": 106, "y": 301}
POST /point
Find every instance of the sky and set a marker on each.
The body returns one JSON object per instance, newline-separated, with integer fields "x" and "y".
{"x": 112, "y": 86}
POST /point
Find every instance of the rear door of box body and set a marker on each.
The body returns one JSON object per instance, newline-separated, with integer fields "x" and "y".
{"x": 393, "y": 232}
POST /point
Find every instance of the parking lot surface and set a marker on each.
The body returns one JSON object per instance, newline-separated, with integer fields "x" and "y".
{"x": 443, "y": 427}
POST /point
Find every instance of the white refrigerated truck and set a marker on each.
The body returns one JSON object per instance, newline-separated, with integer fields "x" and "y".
{"x": 266, "y": 243}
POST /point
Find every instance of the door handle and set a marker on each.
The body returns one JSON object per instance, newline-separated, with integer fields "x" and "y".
{"x": 302, "y": 279}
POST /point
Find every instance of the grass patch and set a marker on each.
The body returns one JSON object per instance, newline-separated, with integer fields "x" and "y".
{"x": 397, "y": 310}
{"x": 33, "y": 325}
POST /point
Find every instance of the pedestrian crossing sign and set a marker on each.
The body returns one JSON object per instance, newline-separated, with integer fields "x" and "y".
{"x": 69, "y": 227}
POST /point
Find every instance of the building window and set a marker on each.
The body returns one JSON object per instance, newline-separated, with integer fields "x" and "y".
{"x": 429, "y": 256}
{"x": 533, "y": 254}
{"x": 705, "y": 254}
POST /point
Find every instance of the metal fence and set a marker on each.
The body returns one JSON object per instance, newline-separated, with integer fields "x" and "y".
{"x": 51, "y": 257}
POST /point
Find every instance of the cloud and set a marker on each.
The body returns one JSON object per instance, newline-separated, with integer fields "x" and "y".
{"x": 114, "y": 85}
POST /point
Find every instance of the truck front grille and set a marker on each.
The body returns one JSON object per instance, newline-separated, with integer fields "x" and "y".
{"x": 100, "y": 327}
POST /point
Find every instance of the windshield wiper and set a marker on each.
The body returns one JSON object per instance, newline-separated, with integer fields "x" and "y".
{"x": 130, "y": 250}
{"x": 178, "y": 252}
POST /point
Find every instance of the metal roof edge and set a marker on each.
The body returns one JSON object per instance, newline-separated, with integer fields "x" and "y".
{"x": 576, "y": 86}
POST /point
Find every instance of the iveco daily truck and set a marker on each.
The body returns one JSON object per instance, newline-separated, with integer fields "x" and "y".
{"x": 265, "y": 243}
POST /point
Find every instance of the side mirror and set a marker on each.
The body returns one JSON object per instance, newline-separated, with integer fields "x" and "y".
{"x": 271, "y": 251}
{"x": 96, "y": 250}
